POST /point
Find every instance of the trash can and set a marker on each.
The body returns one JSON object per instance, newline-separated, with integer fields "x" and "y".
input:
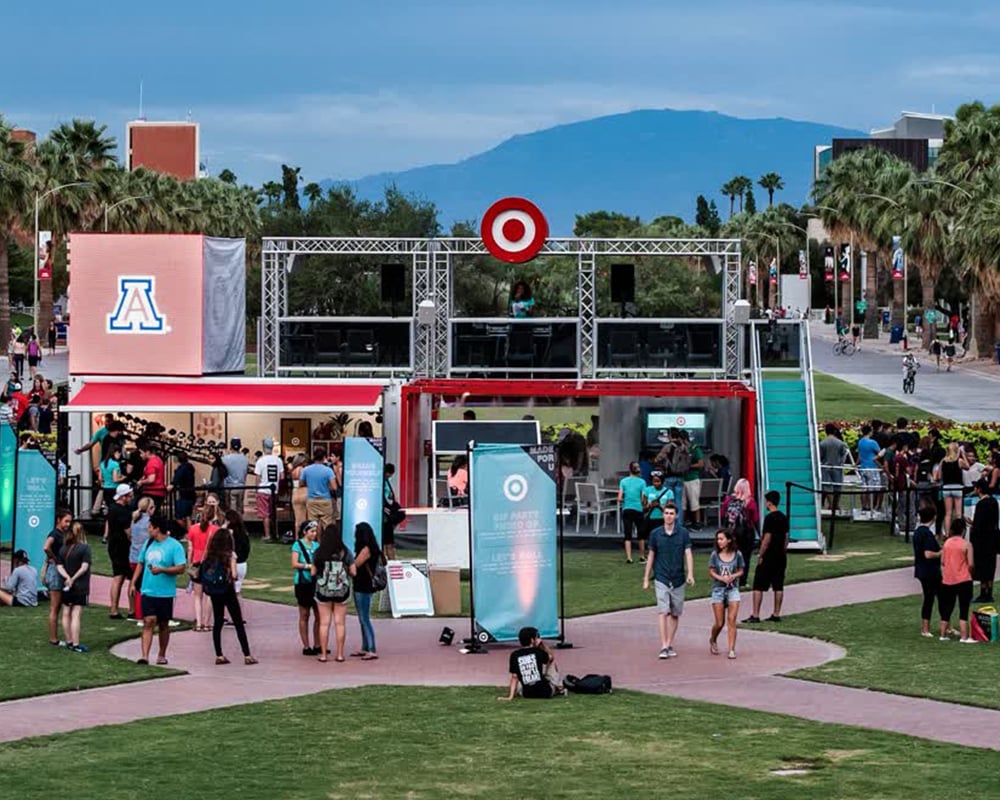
{"x": 885, "y": 317}
{"x": 895, "y": 334}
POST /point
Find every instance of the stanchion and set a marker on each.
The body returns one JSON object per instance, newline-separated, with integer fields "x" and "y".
{"x": 473, "y": 645}
{"x": 562, "y": 644}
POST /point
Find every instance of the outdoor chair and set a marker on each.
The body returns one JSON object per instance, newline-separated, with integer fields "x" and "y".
{"x": 623, "y": 349}
{"x": 590, "y": 501}
{"x": 711, "y": 497}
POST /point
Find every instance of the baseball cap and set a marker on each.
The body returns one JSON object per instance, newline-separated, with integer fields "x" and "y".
{"x": 21, "y": 555}
{"x": 123, "y": 490}
{"x": 235, "y": 444}
{"x": 268, "y": 445}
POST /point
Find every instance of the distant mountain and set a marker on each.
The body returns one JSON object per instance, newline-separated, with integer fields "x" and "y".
{"x": 644, "y": 163}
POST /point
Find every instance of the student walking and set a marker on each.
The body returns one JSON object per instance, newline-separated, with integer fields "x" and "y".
{"x": 304, "y": 583}
{"x": 333, "y": 567}
{"x": 672, "y": 563}
{"x": 218, "y": 579}
{"x": 369, "y": 578}
{"x": 160, "y": 562}
{"x": 725, "y": 567}
{"x": 74, "y": 567}
{"x": 956, "y": 581}
{"x": 630, "y": 489}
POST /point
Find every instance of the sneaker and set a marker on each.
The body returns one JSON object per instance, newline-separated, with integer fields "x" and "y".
{"x": 773, "y": 618}
{"x": 927, "y": 634}
{"x": 943, "y": 639}
{"x": 671, "y": 653}
{"x": 642, "y": 559}
{"x": 173, "y": 624}
{"x": 732, "y": 654}
{"x": 967, "y": 640}
{"x": 79, "y": 648}
{"x": 665, "y": 653}
{"x": 628, "y": 560}
{"x": 751, "y": 620}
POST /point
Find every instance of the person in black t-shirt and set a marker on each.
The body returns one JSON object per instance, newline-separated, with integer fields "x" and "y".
{"x": 118, "y": 534}
{"x": 533, "y": 668}
{"x": 772, "y": 559}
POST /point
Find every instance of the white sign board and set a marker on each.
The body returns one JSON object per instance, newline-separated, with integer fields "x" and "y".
{"x": 409, "y": 589}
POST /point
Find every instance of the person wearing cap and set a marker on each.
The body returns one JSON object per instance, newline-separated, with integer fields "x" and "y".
{"x": 269, "y": 471}
{"x": 237, "y": 466}
{"x": 303, "y": 555}
{"x": 116, "y": 533}
{"x": 21, "y": 588}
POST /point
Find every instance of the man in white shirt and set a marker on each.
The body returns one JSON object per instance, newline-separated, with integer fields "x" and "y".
{"x": 269, "y": 470}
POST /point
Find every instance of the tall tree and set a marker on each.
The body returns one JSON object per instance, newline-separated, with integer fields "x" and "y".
{"x": 730, "y": 189}
{"x": 605, "y": 224}
{"x": 17, "y": 182}
{"x": 751, "y": 203}
{"x": 714, "y": 220}
{"x": 701, "y": 213}
{"x": 313, "y": 192}
{"x": 228, "y": 176}
{"x": 290, "y": 186}
{"x": 771, "y": 182}
{"x": 743, "y": 185}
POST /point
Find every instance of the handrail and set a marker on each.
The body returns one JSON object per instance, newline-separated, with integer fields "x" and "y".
{"x": 806, "y": 361}
{"x": 757, "y": 376}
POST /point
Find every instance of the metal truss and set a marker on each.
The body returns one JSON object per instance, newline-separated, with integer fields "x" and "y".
{"x": 422, "y": 290}
{"x": 587, "y": 305}
{"x": 731, "y": 283}
{"x": 441, "y": 275}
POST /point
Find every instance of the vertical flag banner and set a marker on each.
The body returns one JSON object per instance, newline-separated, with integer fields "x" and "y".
{"x": 803, "y": 266}
{"x": 897, "y": 258}
{"x": 35, "y": 504}
{"x": 364, "y": 471}
{"x": 45, "y": 255}
{"x": 514, "y": 539}
{"x": 773, "y": 271}
{"x": 752, "y": 273}
{"x": 8, "y": 452}
{"x": 828, "y": 263}
{"x": 845, "y": 262}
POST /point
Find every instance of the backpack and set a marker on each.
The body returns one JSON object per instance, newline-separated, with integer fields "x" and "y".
{"x": 214, "y": 578}
{"x": 33, "y": 349}
{"x": 380, "y": 577}
{"x": 737, "y": 522}
{"x": 335, "y": 583}
{"x": 588, "y": 684}
{"x": 679, "y": 460}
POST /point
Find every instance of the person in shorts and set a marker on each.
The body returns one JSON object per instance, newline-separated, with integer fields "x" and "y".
{"x": 116, "y": 534}
{"x": 630, "y": 489}
{"x": 303, "y": 555}
{"x": 772, "y": 559}
{"x": 725, "y": 567}
{"x": 269, "y": 470}
{"x": 672, "y": 563}
{"x": 160, "y": 562}
{"x": 50, "y": 572}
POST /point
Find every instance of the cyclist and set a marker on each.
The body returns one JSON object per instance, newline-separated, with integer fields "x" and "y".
{"x": 910, "y": 367}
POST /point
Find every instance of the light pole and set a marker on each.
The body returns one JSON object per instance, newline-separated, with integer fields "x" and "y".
{"x": 113, "y": 206}
{"x": 38, "y": 200}
{"x": 806, "y": 234}
{"x": 906, "y": 270}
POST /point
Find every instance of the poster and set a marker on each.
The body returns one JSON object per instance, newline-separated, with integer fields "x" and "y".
{"x": 514, "y": 539}
{"x": 773, "y": 271}
{"x": 45, "y": 255}
{"x": 803, "y": 266}
{"x": 8, "y": 451}
{"x": 828, "y": 263}
{"x": 35, "y": 507}
{"x": 363, "y": 486}
{"x": 409, "y": 589}
{"x": 845, "y": 262}
{"x": 752, "y": 273}
{"x": 897, "y": 258}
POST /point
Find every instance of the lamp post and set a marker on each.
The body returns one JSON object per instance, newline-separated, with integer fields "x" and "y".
{"x": 113, "y": 206}
{"x": 38, "y": 200}
{"x": 906, "y": 270}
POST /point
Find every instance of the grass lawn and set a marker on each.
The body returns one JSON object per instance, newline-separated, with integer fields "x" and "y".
{"x": 886, "y": 652}
{"x": 599, "y": 580}
{"x": 840, "y": 400}
{"x": 21, "y": 320}
{"x": 460, "y": 743}
{"x": 30, "y": 666}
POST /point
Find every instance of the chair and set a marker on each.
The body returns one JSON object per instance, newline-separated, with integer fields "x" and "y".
{"x": 326, "y": 345}
{"x": 711, "y": 496}
{"x": 442, "y": 491}
{"x": 623, "y": 349}
{"x": 360, "y": 347}
{"x": 658, "y": 349}
{"x": 590, "y": 501}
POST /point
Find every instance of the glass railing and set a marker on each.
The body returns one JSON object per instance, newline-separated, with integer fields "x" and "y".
{"x": 659, "y": 346}
{"x": 345, "y": 344}
{"x": 528, "y": 347}
{"x": 780, "y": 344}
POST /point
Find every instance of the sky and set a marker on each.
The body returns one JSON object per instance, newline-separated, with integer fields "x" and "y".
{"x": 346, "y": 89}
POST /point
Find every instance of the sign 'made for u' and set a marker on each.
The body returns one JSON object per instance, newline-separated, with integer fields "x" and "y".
{"x": 150, "y": 304}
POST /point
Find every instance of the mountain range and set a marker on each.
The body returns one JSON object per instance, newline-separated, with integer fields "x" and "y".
{"x": 642, "y": 163}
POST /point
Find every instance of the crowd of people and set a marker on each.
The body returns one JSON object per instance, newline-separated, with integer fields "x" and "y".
{"x": 29, "y": 407}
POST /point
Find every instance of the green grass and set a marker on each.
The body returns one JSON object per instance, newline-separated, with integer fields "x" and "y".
{"x": 840, "y": 400}
{"x": 30, "y": 666}
{"x": 886, "y": 652}
{"x": 461, "y": 743}
{"x": 598, "y": 579}
{"x": 21, "y": 320}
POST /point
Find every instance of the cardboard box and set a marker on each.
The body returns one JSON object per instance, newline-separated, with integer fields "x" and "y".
{"x": 446, "y": 591}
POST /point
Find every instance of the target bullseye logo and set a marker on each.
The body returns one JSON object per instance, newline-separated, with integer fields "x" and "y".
{"x": 514, "y": 230}
{"x": 515, "y": 488}
{"x": 681, "y": 422}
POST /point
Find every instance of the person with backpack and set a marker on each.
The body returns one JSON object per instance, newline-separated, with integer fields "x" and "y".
{"x": 740, "y": 517}
{"x": 34, "y": 351}
{"x": 675, "y": 461}
{"x": 532, "y": 668}
{"x": 304, "y": 583}
{"x": 654, "y": 497}
{"x": 691, "y": 478}
{"x": 370, "y": 577}
{"x": 333, "y": 567}
{"x": 218, "y": 581}
{"x": 725, "y": 567}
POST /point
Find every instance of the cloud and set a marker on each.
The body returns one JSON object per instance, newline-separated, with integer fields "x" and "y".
{"x": 984, "y": 68}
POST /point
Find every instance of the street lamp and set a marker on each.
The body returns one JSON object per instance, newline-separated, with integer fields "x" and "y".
{"x": 112, "y": 207}
{"x": 38, "y": 200}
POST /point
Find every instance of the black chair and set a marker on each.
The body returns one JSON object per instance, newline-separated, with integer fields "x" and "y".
{"x": 659, "y": 349}
{"x": 359, "y": 348}
{"x": 326, "y": 345}
{"x": 623, "y": 349}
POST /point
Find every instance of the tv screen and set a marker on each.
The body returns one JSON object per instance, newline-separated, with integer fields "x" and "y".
{"x": 656, "y": 423}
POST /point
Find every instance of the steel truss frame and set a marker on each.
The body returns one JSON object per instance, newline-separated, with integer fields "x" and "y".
{"x": 432, "y": 261}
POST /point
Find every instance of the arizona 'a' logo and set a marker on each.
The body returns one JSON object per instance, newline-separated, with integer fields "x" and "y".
{"x": 136, "y": 309}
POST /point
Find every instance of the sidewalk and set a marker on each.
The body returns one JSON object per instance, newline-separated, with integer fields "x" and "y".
{"x": 623, "y": 644}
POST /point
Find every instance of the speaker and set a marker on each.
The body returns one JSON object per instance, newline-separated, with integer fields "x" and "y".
{"x": 393, "y": 283}
{"x": 623, "y": 283}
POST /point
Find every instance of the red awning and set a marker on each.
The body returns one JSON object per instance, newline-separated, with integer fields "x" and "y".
{"x": 236, "y": 396}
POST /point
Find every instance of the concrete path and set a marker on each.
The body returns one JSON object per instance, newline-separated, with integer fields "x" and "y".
{"x": 54, "y": 367}
{"x": 966, "y": 394}
{"x": 623, "y": 644}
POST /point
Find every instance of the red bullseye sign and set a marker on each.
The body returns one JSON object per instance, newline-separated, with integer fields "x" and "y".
{"x": 514, "y": 230}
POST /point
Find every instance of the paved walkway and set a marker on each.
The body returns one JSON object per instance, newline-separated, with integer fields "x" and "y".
{"x": 966, "y": 394}
{"x": 622, "y": 644}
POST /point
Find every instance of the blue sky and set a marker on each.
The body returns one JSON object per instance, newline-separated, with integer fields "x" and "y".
{"x": 345, "y": 89}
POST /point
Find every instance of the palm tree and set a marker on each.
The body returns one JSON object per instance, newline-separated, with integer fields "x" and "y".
{"x": 313, "y": 192}
{"x": 771, "y": 182}
{"x": 730, "y": 189}
{"x": 17, "y": 183}
{"x": 743, "y": 185}
{"x": 926, "y": 239}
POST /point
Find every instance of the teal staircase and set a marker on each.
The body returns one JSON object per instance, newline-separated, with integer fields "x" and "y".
{"x": 789, "y": 453}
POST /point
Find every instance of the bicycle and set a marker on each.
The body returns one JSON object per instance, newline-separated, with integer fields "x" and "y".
{"x": 844, "y": 347}
{"x": 910, "y": 377}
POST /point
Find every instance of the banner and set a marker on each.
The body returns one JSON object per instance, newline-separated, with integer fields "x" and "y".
{"x": 514, "y": 539}
{"x": 752, "y": 273}
{"x": 364, "y": 477}
{"x": 45, "y": 255}
{"x": 409, "y": 589}
{"x": 8, "y": 452}
{"x": 897, "y": 258}
{"x": 803, "y": 266}
{"x": 772, "y": 271}
{"x": 828, "y": 263}
{"x": 35, "y": 506}
{"x": 845, "y": 262}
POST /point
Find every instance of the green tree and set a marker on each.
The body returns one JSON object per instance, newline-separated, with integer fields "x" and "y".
{"x": 17, "y": 183}
{"x": 743, "y": 185}
{"x": 731, "y": 189}
{"x": 228, "y": 176}
{"x": 714, "y": 220}
{"x": 290, "y": 186}
{"x": 771, "y": 182}
{"x": 605, "y": 225}
{"x": 313, "y": 192}
{"x": 751, "y": 202}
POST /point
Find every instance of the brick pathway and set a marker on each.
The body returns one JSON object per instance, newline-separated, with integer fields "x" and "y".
{"x": 622, "y": 644}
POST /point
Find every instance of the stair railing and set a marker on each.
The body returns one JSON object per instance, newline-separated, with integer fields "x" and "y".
{"x": 757, "y": 376}
{"x": 805, "y": 346}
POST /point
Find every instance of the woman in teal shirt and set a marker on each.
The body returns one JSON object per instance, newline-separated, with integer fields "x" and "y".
{"x": 630, "y": 489}
{"x": 522, "y": 304}
{"x": 111, "y": 474}
{"x": 653, "y": 499}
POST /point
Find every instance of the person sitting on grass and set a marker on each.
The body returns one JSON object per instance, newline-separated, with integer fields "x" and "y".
{"x": 21, "y": 588}
{"x": 533, "y": 672}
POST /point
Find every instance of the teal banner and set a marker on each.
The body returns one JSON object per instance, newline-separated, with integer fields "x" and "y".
{"x": 35, "y": 506}
{"x": 515, "y": 539}
{"x": 364, "y": 466}
{"x": 8, "y": 452}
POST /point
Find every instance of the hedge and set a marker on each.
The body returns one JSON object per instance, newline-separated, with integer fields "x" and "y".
{"x": 979, "y": 435}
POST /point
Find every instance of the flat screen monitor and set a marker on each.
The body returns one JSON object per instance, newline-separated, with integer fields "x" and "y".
{"x": 452, "y": 436}
{"x": 656, "y": 423}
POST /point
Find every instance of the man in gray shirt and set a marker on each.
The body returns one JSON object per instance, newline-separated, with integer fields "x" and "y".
{"x": 237, "y": 467}
{"x": 21, "y": 588}
{"x": 832, "y": 454}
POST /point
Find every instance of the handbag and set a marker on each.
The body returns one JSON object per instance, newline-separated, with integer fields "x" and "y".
{"x": 380, "y": 577}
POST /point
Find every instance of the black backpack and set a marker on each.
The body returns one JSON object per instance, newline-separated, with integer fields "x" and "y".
{"x": 588, "y": 684}
{"x": 215, "y": 578}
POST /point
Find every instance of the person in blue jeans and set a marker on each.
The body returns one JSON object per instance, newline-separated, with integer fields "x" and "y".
{"x": 369, "y": 557}
{"x": 725, "y": 566}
